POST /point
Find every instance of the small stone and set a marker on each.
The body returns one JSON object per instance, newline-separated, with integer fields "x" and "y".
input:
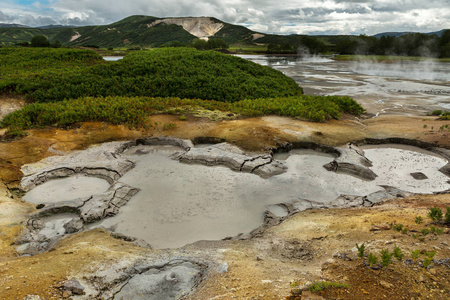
{"x": 377, "y": 227}
{"x": 73, "y": 286}
{"x": 259, "y": 258}
{"x": 67, "y": 294}
{"x": 432, "y": 271}
{"x": 32, "y": 297}
{"x": 386, "y": 284}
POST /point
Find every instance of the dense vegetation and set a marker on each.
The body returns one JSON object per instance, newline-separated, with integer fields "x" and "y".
{"x": 166, "y": 72}
{"x": 69, "y": 86}
{"x": 135, "y": 111}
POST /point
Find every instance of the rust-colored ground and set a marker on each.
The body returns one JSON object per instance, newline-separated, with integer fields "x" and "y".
{"x": 299, "y": 249}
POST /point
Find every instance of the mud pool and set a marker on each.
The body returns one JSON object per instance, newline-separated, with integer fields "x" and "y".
{"x": 182, "y": 203}
{"x": 381, "y": 87}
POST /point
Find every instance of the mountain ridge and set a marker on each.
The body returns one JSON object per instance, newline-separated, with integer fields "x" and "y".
{"x": 150, "y": 31}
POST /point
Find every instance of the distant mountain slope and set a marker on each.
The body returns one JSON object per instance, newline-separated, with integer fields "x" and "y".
{"x": 397, "y": 34}
{"x": 135, "y": 31}
{"x": 4, "y": 25}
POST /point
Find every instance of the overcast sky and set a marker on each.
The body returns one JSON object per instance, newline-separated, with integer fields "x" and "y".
{"x": 266, "y": 16}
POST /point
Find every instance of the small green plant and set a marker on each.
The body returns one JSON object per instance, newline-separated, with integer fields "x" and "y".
{"x": 435, "y": 214}
{"x": 425, "y": 231}
{"x": 414, "y": 236}
{"x": 386, "y": 257}
{"x": 415, "y": 255}
{"x": 418, "y": 220}
{"x": 405, "y": 230}
{"x": 182, "y": 118}
{"x": 295, "y": 288}
{"x": 398, "y": 227}
{"x": 425, "y": 126}
{"x": 361, "y": 250}
{"x": 373, "y": 259}
{"x": 321, "y": 285}
{"x": 426, "y": 262}
{"x": 430, "y": 254}
{"x": 398, "y": 254}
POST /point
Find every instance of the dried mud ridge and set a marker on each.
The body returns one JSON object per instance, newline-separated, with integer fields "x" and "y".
{"x": 172, "y": 279}
{"x": 105, "y": 161}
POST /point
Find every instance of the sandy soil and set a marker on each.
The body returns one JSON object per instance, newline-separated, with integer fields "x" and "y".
{"x": 302, "y": 248}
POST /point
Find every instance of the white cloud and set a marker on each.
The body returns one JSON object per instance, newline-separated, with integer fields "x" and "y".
{"x": 267, "y": 16}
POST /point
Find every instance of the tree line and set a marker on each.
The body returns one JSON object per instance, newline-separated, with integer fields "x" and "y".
{"x": 412, "y": 44}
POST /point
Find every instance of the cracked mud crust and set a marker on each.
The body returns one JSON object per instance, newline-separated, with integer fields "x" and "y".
{"x": 299, "y": 248}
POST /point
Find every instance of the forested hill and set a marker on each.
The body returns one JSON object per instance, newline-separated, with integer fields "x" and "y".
{"x": 147, "y": 31}
{"x": 135, "y": 31}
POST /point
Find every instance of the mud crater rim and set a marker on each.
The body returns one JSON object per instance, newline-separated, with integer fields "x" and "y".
{"x": 279, "y": 211}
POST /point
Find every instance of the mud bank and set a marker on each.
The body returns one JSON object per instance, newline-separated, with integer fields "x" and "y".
{"x": 154, "y": 200}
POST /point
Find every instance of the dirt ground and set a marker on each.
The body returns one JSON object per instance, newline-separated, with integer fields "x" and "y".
{"x": 310, "y": 246}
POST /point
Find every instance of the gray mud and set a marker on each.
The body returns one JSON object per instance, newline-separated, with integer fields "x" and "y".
{"x": 218, "y": 194}
{"x": 64, "y": 189}
{"x": 180, "y": 204}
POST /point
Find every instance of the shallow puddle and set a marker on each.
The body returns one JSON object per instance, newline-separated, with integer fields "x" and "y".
{"x": 64, "y": 189}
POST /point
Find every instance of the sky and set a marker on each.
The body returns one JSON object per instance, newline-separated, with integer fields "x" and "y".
{"x": 266, "y": 16}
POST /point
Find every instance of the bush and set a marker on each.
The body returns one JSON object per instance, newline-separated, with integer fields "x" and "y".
{"x": 40, "y": 41}
{"x": 435, "y": 214}
{"x": 166, "y": 72}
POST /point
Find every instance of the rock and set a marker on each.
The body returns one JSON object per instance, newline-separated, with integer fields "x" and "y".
{"x": 73, "y": 286}
{"x": 378, "y": 227}
{"x": 66, "y": 294}
{"x": 386, "y": 284}
{"x": 32, "y": 297}
{"x": 74, "y": 225}
{"x": 307, "y": 295}
{"x": 432, "y": 271}
{"x": 353, "y": 162}
{"x": 419, "y": 176}
{"x": 223, "y": 268}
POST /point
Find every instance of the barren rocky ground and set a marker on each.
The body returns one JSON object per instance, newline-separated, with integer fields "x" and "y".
{"x": 309, "y": 246}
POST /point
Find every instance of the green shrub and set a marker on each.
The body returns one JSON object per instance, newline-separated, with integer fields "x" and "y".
{"x": 373, "y": 259}
{"x": 398, "y": 254}
{"x": 134, "y": 111}
{"x": 418, "y": 220}
{"x": 435, "y": 214}
{"x": 386, "y": 257}
{"x": 165, "y": 72}
{"x": 361, "y": 250}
